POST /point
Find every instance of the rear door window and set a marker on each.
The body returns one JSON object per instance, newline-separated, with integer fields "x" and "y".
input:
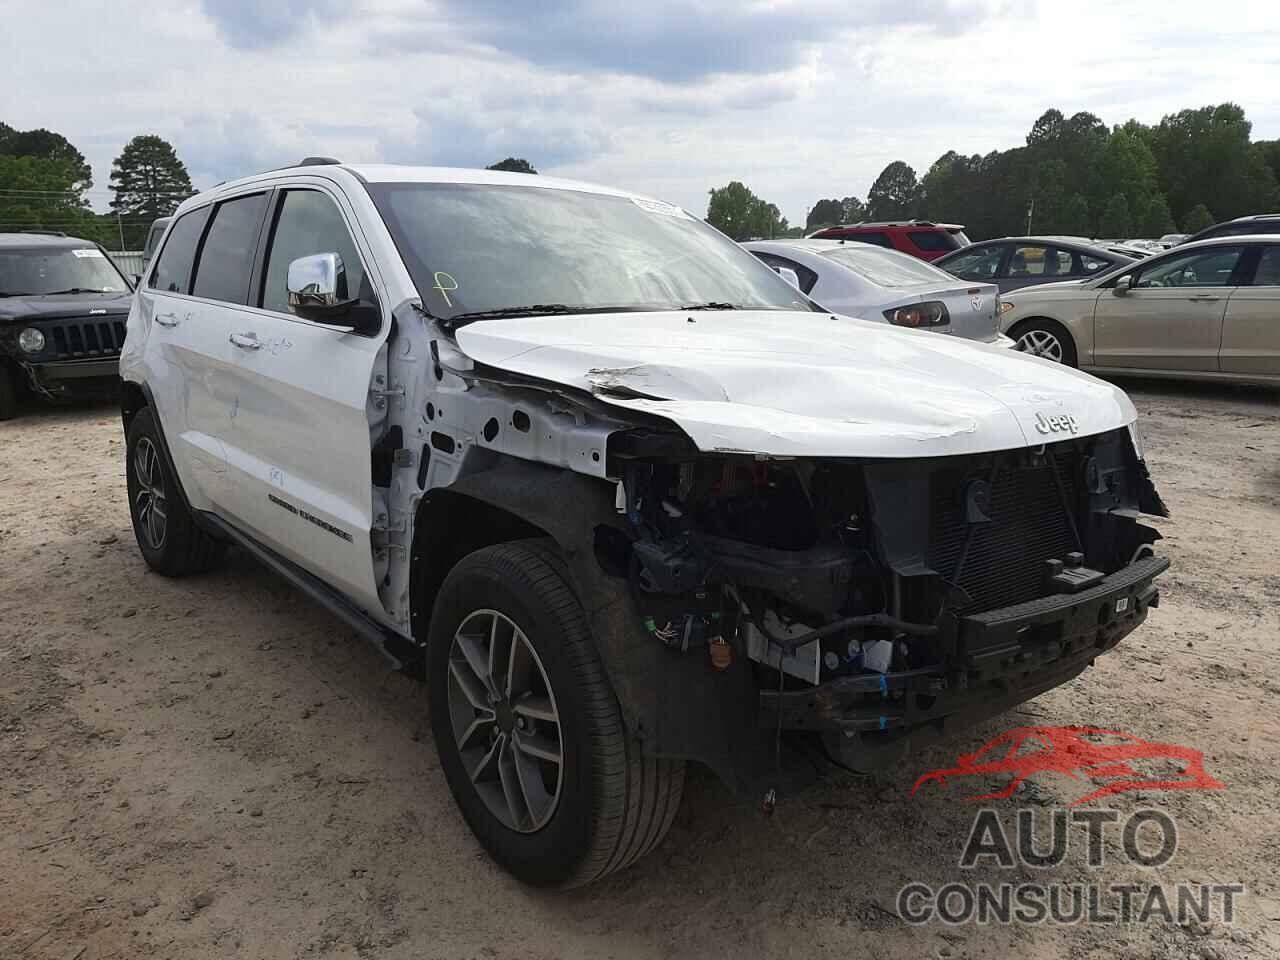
{"x": 172, "y": 273}
{"x": 226, "y": 257}
{"x": 1036, "y": 260}
{"x": 1267, "y": 273}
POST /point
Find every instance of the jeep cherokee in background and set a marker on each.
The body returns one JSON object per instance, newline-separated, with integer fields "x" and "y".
{"x": 920, "y": 238}
{"x": 63, "y": 306}
{"x": 630, "y": 498}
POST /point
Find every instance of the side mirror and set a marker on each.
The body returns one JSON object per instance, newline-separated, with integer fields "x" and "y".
{"x": 789, "y": 275}
{"x": 1124, "y": 285}
{"x": 317, "y": 287}
{"x": 317, "y": 283}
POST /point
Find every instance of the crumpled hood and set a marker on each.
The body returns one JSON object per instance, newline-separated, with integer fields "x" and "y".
{"x": 14, "y": 309}
{"x": 806, "y": 384}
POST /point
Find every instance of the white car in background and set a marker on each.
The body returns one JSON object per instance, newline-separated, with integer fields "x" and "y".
{"x": 872, "y": 283}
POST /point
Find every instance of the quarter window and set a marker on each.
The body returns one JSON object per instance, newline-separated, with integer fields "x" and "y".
{"x": 1213, "y": 267}
{"x": 172, "y": 273}
{"x": 226, "y": 258}
{"x": 808, "y": 279}
{"x": 308, "y": 223}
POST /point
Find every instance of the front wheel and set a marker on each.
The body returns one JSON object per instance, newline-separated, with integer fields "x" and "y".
{"x": 528, "y": 729}
{"x": 1046, "y": 338}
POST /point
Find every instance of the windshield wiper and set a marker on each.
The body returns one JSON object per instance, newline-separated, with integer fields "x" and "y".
{"x": 709, "y": 305}
{"x": 15, "y": 293}
{"x": 533, "y": 310}
{"x": 56, "y": 293}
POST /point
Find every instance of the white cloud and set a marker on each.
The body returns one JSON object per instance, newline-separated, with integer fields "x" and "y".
{"x": 799, "y": 100}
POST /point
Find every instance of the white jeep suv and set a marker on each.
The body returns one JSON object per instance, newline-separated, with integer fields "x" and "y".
{"x": 627, "y": 497}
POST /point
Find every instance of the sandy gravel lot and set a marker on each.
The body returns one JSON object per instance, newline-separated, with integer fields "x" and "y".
{"x": 215, "y": 767}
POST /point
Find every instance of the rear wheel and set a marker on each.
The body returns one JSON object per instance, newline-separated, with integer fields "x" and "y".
{"x": 166, "y": 532}
{"x": 1046, "y": 338}
{"x": 528, "y": 730}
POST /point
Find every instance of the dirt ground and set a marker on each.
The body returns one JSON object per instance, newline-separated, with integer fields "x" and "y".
{"x": 216, "y": 767}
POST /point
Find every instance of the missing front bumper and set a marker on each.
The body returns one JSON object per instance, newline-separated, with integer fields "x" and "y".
{"x": 1000, "y": 658}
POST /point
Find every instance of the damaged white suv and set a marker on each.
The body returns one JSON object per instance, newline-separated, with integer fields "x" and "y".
{"x": 628, "y": 497}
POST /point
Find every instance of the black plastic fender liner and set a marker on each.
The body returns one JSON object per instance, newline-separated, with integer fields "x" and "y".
{"x": 675, "y": 704}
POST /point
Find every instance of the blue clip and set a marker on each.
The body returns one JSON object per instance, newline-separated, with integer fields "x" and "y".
{"x": 884, "y": 723}
{"x": 884, "y": 688}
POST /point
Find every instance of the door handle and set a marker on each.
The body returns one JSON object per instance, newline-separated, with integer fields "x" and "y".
{"x": 1203, "y": 298}
{"x": 167, "y": 319}
{"x": 246, "y": 341}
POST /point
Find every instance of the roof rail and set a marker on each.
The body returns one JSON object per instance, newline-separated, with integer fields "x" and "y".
{"x": 45, "y": 233}
{"x": 318, "y": 161}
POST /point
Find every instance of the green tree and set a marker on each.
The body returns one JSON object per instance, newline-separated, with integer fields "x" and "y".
{"x": 1127, "y": 166}
{"x": 43, "y": 194}
{"x": 738, "y": 213}
{"x": 47, "y": 145}
{"x": 1198, "y": 219}
{"x": 1116, "y": 221}
{"x": 852, "y": 210}
{"x": 1075, "y": 217}
{"x": 1205, "y": 157}
{"x": 825, "y": 213}
{"x": 1269, "y": 151}
{"x": 149, "y": 181}
{"x": 895, "y": 194}
{"x": 513, "y": 165}
{"x": 1157, "y": 220}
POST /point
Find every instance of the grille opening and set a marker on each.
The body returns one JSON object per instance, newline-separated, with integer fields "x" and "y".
{"x": 74, "y": 338}
{"x": 1004, "y": 564}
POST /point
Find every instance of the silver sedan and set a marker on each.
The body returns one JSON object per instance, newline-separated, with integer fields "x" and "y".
{"x": 871, "y": 283}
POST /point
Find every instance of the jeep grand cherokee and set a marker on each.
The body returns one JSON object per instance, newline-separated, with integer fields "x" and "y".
{"x": 630, "y": 498}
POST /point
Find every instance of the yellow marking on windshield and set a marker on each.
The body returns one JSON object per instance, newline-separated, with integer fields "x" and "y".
{"x": 445, "y": 284}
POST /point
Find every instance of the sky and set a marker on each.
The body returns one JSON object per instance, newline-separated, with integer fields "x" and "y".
{"x": 799, "y": 100}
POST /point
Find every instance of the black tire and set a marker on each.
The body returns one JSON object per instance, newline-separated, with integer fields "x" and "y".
{"x": 8, "y": 394}
{"x": 1027, "y": 329}
{"x": 182, "y": 547}
{"x": 614, "y": 805}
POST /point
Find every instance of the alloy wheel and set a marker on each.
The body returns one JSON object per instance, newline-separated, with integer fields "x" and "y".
{"x": 504, "y": 721}
{"x": 1041, "y": 343}
{"x": 150, "y": 504}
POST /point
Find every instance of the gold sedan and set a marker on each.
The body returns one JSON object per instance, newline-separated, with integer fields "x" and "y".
{"x": 1207, "y": 310}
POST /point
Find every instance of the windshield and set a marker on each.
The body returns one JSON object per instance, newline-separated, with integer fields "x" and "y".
{"x": 36, "y": 272}
{"x": 886, "y": 268}
{"x": 481, "y": 248}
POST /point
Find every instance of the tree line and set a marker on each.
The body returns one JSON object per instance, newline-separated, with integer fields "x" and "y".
{"x": 47, "y": 185}
{"x": 1075, "y": 176}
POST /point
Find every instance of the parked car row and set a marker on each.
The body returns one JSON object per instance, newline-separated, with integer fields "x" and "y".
{"x": 1206, "y": 309}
